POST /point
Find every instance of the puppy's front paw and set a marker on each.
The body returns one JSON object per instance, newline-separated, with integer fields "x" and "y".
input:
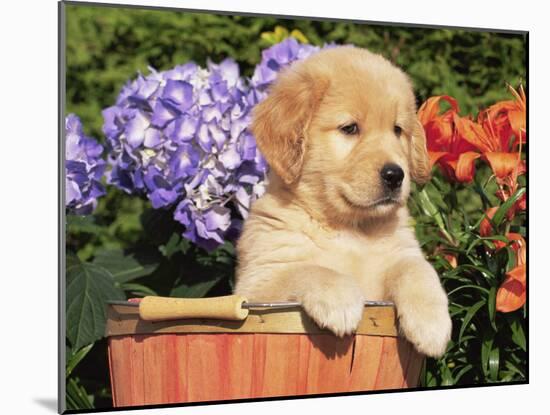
{"x": 427, "y": 326}
{"x": 338, "y": 309}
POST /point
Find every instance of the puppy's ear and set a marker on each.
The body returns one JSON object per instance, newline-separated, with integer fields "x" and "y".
{"x": 280, "y": 121}
{"x": 420, "y": 166}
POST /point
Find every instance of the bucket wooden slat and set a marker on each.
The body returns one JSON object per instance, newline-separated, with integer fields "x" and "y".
{"x": 240, "y": 354}
{"x": 164, "y": 369}
{"x": 329, "y": 364}
{"x": 177, "y": 366}
{"x": 365, "y": 363}
{"x": 277, "y": 361}
{"x": 126, "y": 358}
{"x": 303, "y": 364}
{"x": 390, "y": 372}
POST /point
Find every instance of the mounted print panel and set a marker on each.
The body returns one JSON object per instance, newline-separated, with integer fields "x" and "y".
{"x": 263, "y": 207}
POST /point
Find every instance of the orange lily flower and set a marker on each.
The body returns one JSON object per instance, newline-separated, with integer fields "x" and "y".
{"x": 446, "y": 147}
{"x": 490, "y": 136}
{"x": 499, "y": 134}
{"x": 512, "y": 294}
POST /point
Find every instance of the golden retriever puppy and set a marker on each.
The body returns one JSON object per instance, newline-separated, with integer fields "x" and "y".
{"x": 340, "y": 133}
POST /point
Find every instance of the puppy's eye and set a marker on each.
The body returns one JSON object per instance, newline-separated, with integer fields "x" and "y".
{"x": 350, "y": 129}
{"x": 397, "y": 130}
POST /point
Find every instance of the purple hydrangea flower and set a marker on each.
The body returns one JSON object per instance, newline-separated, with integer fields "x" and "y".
{"x": 83, "y": 168}
{"x": 180, "y": 138}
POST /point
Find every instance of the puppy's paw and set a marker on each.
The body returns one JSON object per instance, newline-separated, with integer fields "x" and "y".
{"x": 338, "y": 309}
{"x": 427, "y": 326}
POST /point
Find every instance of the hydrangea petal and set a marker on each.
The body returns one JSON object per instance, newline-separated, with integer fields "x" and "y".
{"x": 184, "y": 162}
{"x": 72, "y": 191}
{"x": 218, "y": 217}
{"x": 135, "y": 129}
{"x": 84, "y": 168}
{"x": 163, "y": 113}
{"x": 184, "y": 128}
{"x": 230, "y": 158}
{"x": 180, "y": 93}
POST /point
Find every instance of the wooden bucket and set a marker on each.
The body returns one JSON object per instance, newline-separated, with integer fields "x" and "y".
{"x": 272, "y": 352}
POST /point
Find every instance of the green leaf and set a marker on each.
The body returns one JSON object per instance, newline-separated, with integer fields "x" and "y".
{"x": 481, "y": 191}
{"x": 468, "y": 317}
{"x": 475, "y": 287}
{"x": 494, "y": 362}
{"x": 455, "y": 309}
{"x": 491, "y": 305}
{"x": 228, "y": 248}
{"x": 486, "y": 347}
{"x": 431, "y": 210}
{"x": 137, "y": 289}
{"x": 126, "y": 267}
{"x": 76, "y": 396}
{"x": 459, "y": 270}
{"x": 462, "y": 372}
{"x": 194, "y": 288}
{"x": 518, "y": 335}
{"x": 514, "y": 368}
{"x": 74, "y": 359}
{"x": 505, "y": 207}
{"x": 89, "y": 287}
{"x": 446, "y": 376}
{"x": 511, "y": 262}
{"x": 175, "y": 245}
{"x": 171, "y": 247}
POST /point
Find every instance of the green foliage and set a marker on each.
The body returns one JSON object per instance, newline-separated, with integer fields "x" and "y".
{"x": 486, "y": 346}
{"x": 125, "y": 267}
{"x": 77, "y": 397}
{"x": 89, "y": 286}
{"x": 126, "y": 249}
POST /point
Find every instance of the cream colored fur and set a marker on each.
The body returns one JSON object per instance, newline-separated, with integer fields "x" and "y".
{"x": 318, "y": 235}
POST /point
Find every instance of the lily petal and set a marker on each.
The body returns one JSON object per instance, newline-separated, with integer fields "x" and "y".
{"x": 435, "y": 156}
{"x": 474, "y": 134}
{"x": 465, "y": 167}
{"x": 503, "y": 164}
{"x": 430, "y": 109}
{"x": 512, "y": 293}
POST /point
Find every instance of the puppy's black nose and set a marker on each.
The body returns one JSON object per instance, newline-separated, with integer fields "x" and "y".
{"x": 392, "y": 176}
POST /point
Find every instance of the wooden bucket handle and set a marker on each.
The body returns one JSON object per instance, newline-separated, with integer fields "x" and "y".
{"x": 229, "y": 307}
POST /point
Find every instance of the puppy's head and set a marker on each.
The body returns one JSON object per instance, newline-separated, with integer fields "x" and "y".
{"x": 340, "y": 130}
